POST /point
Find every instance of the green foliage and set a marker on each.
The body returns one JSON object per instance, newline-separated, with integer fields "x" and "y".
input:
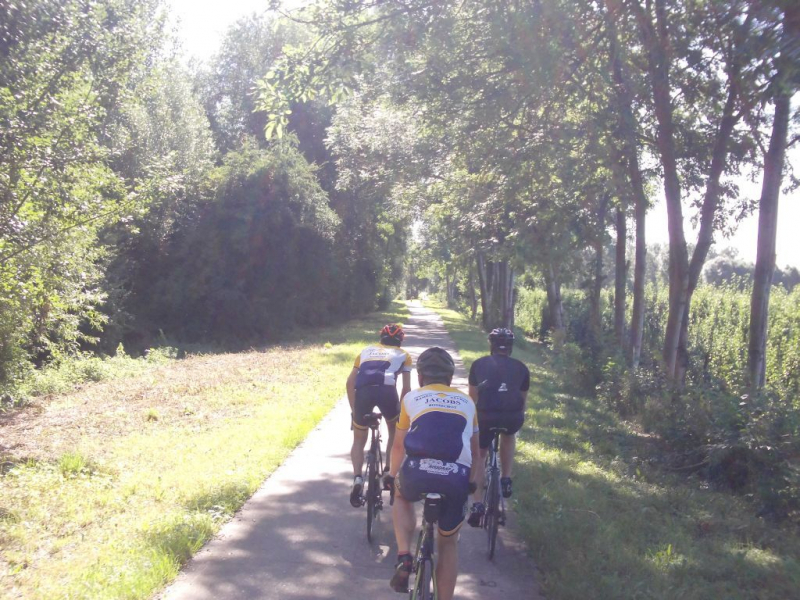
{"x": 252, "y": 261}
{"x": 742, "y": 443}
{"x": 63, "y": 375}
{"x": 594, "y": 494}
{"x": 248, "y": 50}
{"x": 65, "y": 69}
{"x": 72, "y": 464}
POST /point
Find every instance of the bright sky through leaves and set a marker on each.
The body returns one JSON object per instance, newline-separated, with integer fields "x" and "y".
{"x": 202, "y": 23}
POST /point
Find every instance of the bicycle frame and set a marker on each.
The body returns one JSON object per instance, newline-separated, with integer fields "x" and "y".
{"x": 425, "y": 579}
{"x": 493, "y": 500}
{"x": 373, "y": 468}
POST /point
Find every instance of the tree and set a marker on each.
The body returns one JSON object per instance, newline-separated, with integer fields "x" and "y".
{"x": 162, "y": 147}
{"x": 693, "y": 155}
{"x": 783, "y": 86}
{"x": 64, "y": 68}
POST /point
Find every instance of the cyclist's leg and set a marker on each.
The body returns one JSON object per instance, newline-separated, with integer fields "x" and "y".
{"x": 405, "y": 521}
{"x": 389, "y": 404}
{"x": 364, "y": 403}
{"x": 391, "y": 427}
{"x": 455, "y": 487}
{"x": 508, "y": 442}
{"x": 360, "y": 437}
{"x": 480, "y": 474}
{"x": 446, "y": 566}
{"x": 403, "y": 515}
{"x": 485, "y": 423}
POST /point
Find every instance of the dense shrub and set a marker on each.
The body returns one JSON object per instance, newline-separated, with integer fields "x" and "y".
{"x": 718, "y": 329}
{"x": 744, "y": 443}
{"x": 254, "y": 261}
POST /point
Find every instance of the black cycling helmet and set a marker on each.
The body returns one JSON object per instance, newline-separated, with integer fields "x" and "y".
{"x": 392, "y": 334}
{"x": 502, "y": 339}
{"x": 436, "y": 365}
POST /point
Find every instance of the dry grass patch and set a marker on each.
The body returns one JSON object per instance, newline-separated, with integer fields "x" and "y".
{"x": 107, "y": 490}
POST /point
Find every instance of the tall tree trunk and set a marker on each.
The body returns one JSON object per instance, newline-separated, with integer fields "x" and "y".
{"x": 639, "y": 273}
{"x": 683, "y": 275}
{"x": 509, "y": 300}
{"x": 708, "y": 211}
{"x": 655, "y": 41}
{"x": 483, "y": 282}
{"x": 630, "y": 152}
{"x": 554, "y": 305}
{"x": 768, "y": 208}
{"x": 620, "y": 277}
{"x": 473, "y": 298}
{"x": 496, "y": 281}
{"x": 595, "y": 309}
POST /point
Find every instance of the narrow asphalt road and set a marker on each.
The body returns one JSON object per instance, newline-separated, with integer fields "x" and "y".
{"x": 299, "y": 538}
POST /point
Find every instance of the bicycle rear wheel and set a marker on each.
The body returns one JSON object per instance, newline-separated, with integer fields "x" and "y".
{"x": 492, "y": 519}
{"x": 371, "y": 493}
{"x": 424, "y": 582}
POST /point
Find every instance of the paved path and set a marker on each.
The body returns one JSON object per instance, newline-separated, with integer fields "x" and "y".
{"x": 299, "y": 538}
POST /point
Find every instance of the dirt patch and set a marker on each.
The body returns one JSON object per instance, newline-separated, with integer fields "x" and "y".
{"x": 184, "y": 392}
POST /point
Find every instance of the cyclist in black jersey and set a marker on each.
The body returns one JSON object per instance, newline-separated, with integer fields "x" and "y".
{"x": 373, "y": 382}
{"x": 499, "y": 386}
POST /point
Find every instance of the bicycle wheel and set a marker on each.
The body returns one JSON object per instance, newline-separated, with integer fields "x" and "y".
{"x": 371, "y": 492}
{"x": 492, "y": 519}
{"x": 424, "y": 581}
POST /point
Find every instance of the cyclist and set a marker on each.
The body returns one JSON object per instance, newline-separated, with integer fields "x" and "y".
{"x": 373, "y": 382}
{"x": 437, "y": 435}
{"x": 499, "y": 386}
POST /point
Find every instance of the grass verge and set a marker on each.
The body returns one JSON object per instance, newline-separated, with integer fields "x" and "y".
{"x": 603, "y": 521}
{"x": 106, "y": 491}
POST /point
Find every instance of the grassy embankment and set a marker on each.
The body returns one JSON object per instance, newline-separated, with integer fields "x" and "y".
{"x": 602, "y": 522}
{"x": 106, "y": 490}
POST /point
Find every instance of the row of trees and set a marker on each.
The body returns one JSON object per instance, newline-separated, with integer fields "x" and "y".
{"x": 140, "y": 202}
{"x": 521, "y": 136}
{"x": 536, "y": 125}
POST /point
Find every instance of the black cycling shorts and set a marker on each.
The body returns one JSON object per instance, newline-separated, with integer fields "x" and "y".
{"x": 510, "y": 422}
{"x": 419, "y": 476}
{"x": 368, "y": 397}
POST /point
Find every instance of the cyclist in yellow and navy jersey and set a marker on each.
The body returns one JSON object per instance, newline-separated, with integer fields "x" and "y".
{"x": 437, "y": 436}
{"x": 373, "y": 382}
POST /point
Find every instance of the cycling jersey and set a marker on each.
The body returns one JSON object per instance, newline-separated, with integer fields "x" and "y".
{"x": 440, "y": 421}
{"x": 379, "y": 365}
{"x": 500, "y": 380}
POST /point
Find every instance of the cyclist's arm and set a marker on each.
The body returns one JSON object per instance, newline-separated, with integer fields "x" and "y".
{"x": 473, "y": 393}
{"x": 406, "y": 384}
{"x": 473, "y": 444}
{"x": 351, "y": 388}
{"x": 524, "y": 399}
{"x": 398, "y": 451}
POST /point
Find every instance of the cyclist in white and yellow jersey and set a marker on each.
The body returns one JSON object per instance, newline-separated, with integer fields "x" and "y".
{"x": 437, "y": 436}
{"x": 373, "y": 382}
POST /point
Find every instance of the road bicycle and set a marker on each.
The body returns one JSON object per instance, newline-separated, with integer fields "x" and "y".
{"x": 374, "y": 469}
{"x": 423, "y": 567}
{"x": 492, "y": 498}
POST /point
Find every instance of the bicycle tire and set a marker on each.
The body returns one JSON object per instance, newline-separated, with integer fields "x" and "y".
{"x": 492, "y": 519}
{"x": 370, "y": 494}
{"x": 424, "y": 582}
